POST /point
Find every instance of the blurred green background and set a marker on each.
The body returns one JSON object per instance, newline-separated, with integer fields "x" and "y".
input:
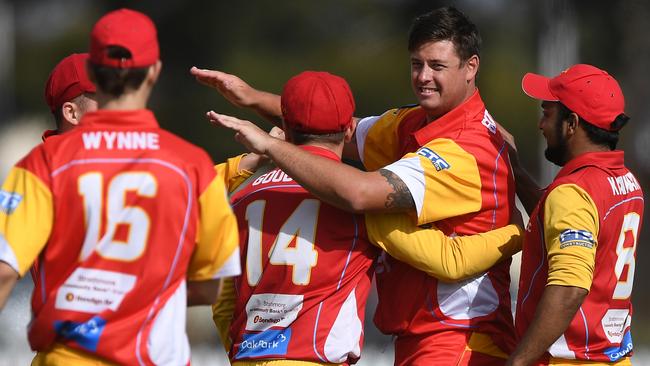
{"x": 265, "y": 42}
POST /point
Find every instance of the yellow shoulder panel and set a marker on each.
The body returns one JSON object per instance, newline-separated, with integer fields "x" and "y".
{"x": 231, "y": 174}
{"x": 452, "y": 182}
{"x": 571, "y": 231}
{"x": 217, "y": 236}
{"x": 382, "y": 146}
{"x": 26, "y": 217}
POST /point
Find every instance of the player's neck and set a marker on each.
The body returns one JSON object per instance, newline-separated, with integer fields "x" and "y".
{"x": 132, "y": 100}
{"x": 335, "y": 148}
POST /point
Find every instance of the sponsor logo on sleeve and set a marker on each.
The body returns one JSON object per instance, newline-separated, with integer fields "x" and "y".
{"x": 268, "y": 343}
{"x": 576, "y": 238}
{"x": 9, "y": 201}
{"x": 86, "y": 334}
{"x": 438, "y": 162}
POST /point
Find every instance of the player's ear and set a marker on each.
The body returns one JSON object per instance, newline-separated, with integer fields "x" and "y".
{"x": 70, "y": 113}
{"x": 154, "y": 72}
{"x": 472, "y": 68}
{"x": 349, "y": 131}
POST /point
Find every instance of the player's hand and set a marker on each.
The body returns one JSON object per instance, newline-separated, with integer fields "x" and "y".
{"x": 252, "y": 137}
{"x": 234, "y": 89}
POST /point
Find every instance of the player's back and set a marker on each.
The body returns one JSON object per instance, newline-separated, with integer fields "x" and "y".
{"x": 125, "y": 200}
{"x": 308, "y": 268}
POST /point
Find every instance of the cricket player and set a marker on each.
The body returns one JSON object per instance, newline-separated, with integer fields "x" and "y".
{"x": 441, "y": 162}
{"x": 130, "y": 223}
{"x": 579, "y": 253}
{"x": 69, "y": 93}
{"x": 308, "y": 265}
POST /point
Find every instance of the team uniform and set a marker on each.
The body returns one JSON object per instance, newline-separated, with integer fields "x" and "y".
{"x": 583, "y": 233}
{"x": 119, "y": 214}
{"x": 458, "y": 173}
{"x": 308, "y": 269}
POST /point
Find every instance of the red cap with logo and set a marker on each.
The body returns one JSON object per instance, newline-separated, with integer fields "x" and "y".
{"x": 317, "y": 102}
{"x": 588, "y": 91}
{"x": 129, "y": 29}
{"x": 67, "y": 81}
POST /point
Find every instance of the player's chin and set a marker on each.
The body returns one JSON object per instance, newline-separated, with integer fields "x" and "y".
{"x": 429, "y": 102}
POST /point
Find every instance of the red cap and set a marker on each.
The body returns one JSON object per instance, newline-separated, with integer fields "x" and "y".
{"x": 588, "y": 91}
{"x": 317, "y": 102}
{"x": 67, "y": 81}
{"x": 128, "y": 29}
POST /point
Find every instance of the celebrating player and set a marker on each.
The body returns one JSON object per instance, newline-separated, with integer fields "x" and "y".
{"x": 69, "y": 93}
{"x": 129, "y": 222}
{"x": 579, "y": 252}
{"x": 308, "y": 264}
{"x": 451, "y": 169}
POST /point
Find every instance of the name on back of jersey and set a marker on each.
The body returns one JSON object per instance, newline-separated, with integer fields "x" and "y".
{"x": 274, "y": 176}
{"x": 121, "y": 140}
{"x": 623, "y": 184}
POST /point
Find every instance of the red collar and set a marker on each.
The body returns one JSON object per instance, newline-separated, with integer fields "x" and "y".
{"x": 49, "y": 133}
{"x": 320, "y": 151}
{"x": 139, "y": 118}
{"x": 468, "y": 111}
{"x": 605, "y": 159}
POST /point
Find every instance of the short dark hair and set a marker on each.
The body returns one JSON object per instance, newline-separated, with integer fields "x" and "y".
{"x": 80, "y": 100}
{"x": 114, "y": 80}
{"x": 446, "y": 24}
{"x": 300, "y": 138}
{"x": 597, "y": 135}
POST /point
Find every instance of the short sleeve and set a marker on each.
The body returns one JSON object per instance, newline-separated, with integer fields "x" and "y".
{"x": 217, "y": 249}
{"x": 443, "y": 179}
{"x": 231, "y": 174}
{"x": 26, "y": 218}
{"x": 571, "y": 232}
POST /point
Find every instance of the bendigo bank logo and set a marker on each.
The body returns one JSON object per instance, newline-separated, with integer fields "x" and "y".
{"x": 438, "y": 162}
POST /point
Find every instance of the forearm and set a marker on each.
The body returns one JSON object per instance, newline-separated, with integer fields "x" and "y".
{"x": 338, "y": 184}
{"x": 8, "y": 279}
{"x": 203, "y": 292}
{"x": 431, "y": 251}
{"x": 268, "y": 106}
{"x": 555, "y": 311}
{"x": 528, "y": 190}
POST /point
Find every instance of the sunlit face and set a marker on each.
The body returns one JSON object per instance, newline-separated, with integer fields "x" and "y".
{"x": 439, "y": 79}
{"x": 552, "y": 127}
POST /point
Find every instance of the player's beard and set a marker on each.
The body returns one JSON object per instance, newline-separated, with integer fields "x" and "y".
{"x": 557, "y": 154}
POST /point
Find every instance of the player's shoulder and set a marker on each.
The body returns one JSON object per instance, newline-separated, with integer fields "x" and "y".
{"x": 183, "y": 149}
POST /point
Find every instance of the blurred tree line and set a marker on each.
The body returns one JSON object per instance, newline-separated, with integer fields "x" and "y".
{"x": 266, "y": 42}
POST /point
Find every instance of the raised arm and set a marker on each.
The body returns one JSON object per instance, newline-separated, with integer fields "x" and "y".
{"x": 337, "y": 184}
{"x": 241, "y": 94}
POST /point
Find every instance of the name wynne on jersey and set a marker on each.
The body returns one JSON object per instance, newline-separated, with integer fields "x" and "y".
{"x": 121, "y": 140}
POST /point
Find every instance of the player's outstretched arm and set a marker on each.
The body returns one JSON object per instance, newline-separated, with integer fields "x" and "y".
{"x": 338, "y": 184}
{"x": 555, "y": 310}
{"x": 241, "y": 94}
{"x": 431, "y": 251}
{"x": 8, "y": 279}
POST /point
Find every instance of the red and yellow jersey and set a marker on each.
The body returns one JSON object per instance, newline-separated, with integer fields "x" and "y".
{"x": 458, "y": 173}
{"x": 308, "y": 268}
{"x": 119, "y": 213}
{"x": 583, "y": 233}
